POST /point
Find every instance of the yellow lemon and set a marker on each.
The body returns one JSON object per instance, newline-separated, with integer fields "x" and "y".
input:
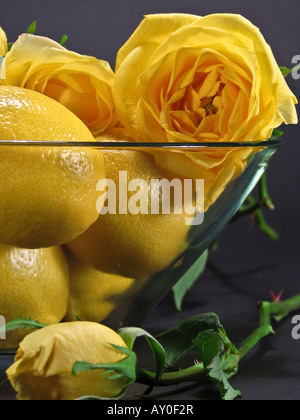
{"x": 93, "y": 294}
{"x": 47, "y": 194}
{"x": 34, "y": 283}
{"x": 133, "y": 244}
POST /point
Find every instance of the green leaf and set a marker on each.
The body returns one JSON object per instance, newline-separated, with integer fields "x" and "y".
{"x": 188, "y": 280}
{"x": 21, "y": 323}
{"x": 276, "y": 134}
{"x": 218, "y": 362}
{"x": 125, "y": 369}
{"x": 230, "y": 364}
{"x": 178, "y": 340}
{"x": 210, "y": 344}
{"x": 217, "y": 375}
{"x": 285, "y": 71}
{"x": 32, "y": 28}
{"x": 64, "y": 39}
{"x": 228, "y": 344}
{"x": 130, "y": 334}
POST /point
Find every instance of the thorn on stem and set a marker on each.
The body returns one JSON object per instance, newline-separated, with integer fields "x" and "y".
{"x": 252, "y": 219}
{"x": 277, "y": 298}
{"x": 270, "y": 206}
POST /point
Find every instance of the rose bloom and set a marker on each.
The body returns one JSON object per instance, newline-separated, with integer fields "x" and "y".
{"x": 185, "y": 78}
{"x": 3, "y": 42}
{"x": 44, "y": 361}
{"x": 81, "y": 83}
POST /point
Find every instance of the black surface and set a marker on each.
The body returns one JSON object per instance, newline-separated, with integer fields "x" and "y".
{"x": 247, "y": 265}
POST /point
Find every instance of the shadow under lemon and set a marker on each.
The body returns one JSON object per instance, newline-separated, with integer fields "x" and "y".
{"x": 93, "y": 294}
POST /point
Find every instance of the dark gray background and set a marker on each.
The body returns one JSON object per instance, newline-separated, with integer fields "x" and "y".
{"x": 247, "y": 265}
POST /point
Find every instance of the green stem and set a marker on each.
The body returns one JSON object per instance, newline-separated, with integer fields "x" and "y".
{"x": 4, "y": 382}
{"x": 264, "y": 197}
{"x": 268, "y": 310}
{"x": 281, "y": 310}
{"x": 264, "y": 227}
{"x": 260, "y": 218}
{"x": 252, "y": 206}
{"x": 191, "y": 374}
{"x": 247, "y": 209}
{"x": 263, "y": 331}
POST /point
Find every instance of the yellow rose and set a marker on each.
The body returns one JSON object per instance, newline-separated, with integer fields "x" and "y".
{"x": 189, "y": 78}
{"x": 81, "y": 83}
{"x": 185, "y": 78}
{"x": 3, "y": 42}
{"x": 44, "y": 361}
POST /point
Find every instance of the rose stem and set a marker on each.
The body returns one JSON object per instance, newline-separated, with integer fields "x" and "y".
{"x": 277, "y": 310}
{"x": 196, "y": 373}
{"x": 264, "y": 197}
{"x": 264, "y": 227}
{"x": 191, "y": 374}
{"x": 254, "y": 207}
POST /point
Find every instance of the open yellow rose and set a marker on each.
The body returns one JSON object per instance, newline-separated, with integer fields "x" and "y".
{"x": 3, "y": 42}
{"x": 185, "y": 78}
{"x": 189, "y": 78}
{"x": 44, "y": 361}
{"x": 81, "y": 83}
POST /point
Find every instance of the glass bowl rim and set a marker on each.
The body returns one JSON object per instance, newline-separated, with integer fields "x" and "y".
{"x": 106, "y": 144}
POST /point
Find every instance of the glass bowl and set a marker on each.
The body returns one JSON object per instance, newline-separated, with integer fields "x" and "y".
{"x": 158, "y": 251}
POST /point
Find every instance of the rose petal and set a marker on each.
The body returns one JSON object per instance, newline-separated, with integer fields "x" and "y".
{"x": 3, "y": 42}
{"x": 152, "y": 31}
